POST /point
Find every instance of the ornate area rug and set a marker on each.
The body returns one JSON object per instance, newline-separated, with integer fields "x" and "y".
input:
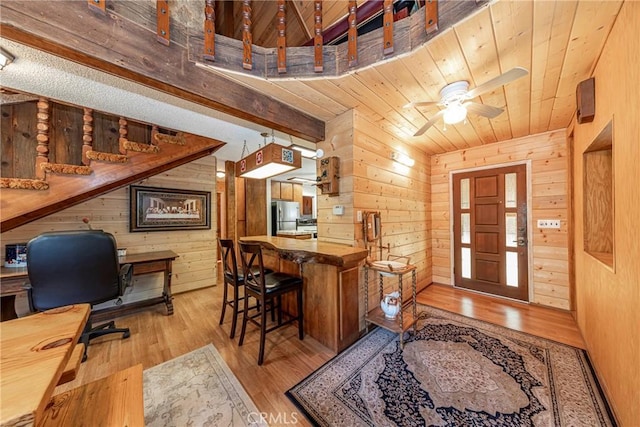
{"x": 455, "y": 371}
{"x": 196, "y": 389}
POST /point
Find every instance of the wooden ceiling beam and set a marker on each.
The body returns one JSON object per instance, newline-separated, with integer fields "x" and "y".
{"x": 126, "y": 51}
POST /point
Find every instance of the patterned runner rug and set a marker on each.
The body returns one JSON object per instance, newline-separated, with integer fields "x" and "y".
{"x": 455, "y": 371}
{"x": 196, "y": 389}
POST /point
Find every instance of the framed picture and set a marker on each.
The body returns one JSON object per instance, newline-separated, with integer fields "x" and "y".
{"x": 163, "y": 209}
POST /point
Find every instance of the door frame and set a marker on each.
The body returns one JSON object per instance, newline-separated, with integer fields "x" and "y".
{"x": 527, "y": 164}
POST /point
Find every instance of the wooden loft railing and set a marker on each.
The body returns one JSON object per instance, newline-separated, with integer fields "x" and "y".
{"x": 65, "y": 166}
{"x": 394, "y": 38}
{"x": 321, "y": 56}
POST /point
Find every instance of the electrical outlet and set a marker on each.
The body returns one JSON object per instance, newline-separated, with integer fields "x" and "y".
{"x": 548, "y": 223}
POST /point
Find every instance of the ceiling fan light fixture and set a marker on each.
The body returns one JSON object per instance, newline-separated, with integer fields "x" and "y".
{"x": 454, "y": 113}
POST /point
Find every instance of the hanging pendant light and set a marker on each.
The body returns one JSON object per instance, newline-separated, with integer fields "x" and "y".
{"x": 270, "y": 160}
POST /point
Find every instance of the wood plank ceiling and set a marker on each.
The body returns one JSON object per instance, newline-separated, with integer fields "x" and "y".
{"x": 559, "y": 42}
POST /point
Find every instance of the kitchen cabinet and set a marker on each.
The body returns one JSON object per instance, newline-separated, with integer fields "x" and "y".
{"x": 275, "y": 190}
{"x": 307, "y": 205}
{"x": 286, "y": 191}
{"x": 297, "y": 194}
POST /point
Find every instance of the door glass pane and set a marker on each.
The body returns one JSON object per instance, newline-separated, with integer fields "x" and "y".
{"x": 466, "y": 263}
{"x": 511, "y": 224}
{"x": 464, "y": 193}
{"x": 512, "y": 269}
{"x": 465, "y": 228}
{"x": 510, "y": 190}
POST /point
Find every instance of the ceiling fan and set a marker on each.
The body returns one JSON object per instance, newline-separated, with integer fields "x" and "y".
{"x": 455, "y": 98}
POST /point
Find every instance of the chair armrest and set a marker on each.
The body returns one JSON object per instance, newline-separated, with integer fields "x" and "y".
{"x": 126, "y": 275}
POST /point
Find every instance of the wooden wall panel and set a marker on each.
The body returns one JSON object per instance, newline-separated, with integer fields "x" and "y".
{"x": 549, "y": 172}
{"x": 106, "y": 132}
{"x": 197, "y": 249}
{"x": 22, "y": 134}
{"x": 339, "y": 142}
{"x": 400, "y": 193}
{"x": 256, "y": 206}
{"x": 607, "y": 299}
{"x": 66, "y": 131}
{"x": 371, "y": 181}
{"x": 598, "y": 200}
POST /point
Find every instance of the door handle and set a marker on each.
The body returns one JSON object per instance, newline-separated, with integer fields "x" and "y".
{"x": 522, "y": 241}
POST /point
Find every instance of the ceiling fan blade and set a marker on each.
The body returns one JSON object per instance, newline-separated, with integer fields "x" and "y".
{"x": 420, "y": 104}
{"x": 483, "y": 110}
{"x": 430, "y": 123}
{"x": 503, "y": 79}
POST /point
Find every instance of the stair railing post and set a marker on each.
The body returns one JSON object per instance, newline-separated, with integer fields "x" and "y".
{"x": 42, "y": 137}
{"x": 87, "y": 135}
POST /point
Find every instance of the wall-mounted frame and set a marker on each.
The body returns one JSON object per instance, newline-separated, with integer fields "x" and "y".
{"x": 165, "y": 209}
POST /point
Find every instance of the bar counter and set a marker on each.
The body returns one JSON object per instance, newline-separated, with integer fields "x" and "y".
{"x": 331, "y": 273}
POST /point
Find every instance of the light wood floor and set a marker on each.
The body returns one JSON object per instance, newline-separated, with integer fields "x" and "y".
{"x": 156, "y": 338}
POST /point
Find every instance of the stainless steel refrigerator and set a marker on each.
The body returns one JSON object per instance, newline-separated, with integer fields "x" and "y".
{"x": 284, "y": 215}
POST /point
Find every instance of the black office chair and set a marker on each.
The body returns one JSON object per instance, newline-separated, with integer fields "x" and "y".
{"x": 268, "y": 290}
{"x": 73, "y": 267}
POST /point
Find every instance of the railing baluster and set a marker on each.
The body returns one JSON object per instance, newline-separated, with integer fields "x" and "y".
{"x": 431, "y": 16}
{"x": 318, "y": 41}
{"x": 282, "y": 40}
{"x": 87, "y": 135}
{"x": 124, "y": 132}
{"x": 209, "y": 31}
{"x": 162, "y": 17}
{"x": 387, "y": 22}
{"x": 246, "y": 35}
{"x": 97, "y": 5}
{"x": 352, "y": 34}
{"x": 43, "y": 136}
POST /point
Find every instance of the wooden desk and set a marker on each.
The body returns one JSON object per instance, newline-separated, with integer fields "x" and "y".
{"x": 14, "y": 280}
{"x": 35, "y": 351}
{"x": 12, "y": 283}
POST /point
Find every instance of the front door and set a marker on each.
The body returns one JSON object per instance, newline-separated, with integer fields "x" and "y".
{"x": 490, "y": 231}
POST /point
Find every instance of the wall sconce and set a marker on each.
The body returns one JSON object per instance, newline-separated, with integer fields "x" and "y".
{"x": 271, "y": 160}
{"x": 307, "y": 152}
{"x": 402, "y": 159}
{"x": 220, "y": 174}
{"x": 5, "y": 58}
{"x": 302, "y": 180}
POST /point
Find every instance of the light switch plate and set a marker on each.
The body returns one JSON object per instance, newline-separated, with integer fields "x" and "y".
{"x": 338, "y": 210}
{"x": 548, "y": 223}
{"x": 359, "y": 216}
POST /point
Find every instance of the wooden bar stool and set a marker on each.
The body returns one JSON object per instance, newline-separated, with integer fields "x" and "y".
{"x": 234, "y": 279}
{"x": 268, "y": 290}
{"x": 231, "y": 279}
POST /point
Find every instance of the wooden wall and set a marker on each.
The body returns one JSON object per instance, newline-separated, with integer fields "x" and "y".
{"x": 549, "y": 173}
{"x": 371, "y": 181}
{"x": 607, "y": 298}
{"x": 196, "y": 266}
{"x": 400, "y": 193}
{"x": 339, "y": 142}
